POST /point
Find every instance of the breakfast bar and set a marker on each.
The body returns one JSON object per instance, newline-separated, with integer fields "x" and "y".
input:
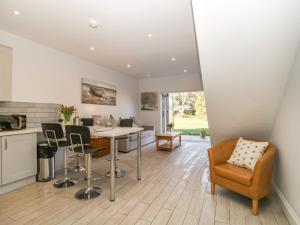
{"x": 113, "y": 133}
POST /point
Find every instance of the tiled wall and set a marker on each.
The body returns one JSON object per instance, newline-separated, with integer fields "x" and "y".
{"x": 36, "y": 112}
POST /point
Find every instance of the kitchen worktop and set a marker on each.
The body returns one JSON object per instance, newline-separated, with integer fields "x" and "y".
{"x": 23, "y": 131}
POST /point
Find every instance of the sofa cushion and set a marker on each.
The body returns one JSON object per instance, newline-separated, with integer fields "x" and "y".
{"x": 99, "y": 120}
{"x": 126, "y": 122}
{"x": 247, "y": 153}
{"x": 238, "y": 174}
{"x": 144, "y": 134}
{"x": 147, "y": 133}
{"x": 132, "y": 137}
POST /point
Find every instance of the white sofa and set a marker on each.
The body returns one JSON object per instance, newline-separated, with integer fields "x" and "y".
{"x": 130, "y": 144}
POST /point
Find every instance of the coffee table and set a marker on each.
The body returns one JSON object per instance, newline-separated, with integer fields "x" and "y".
{"x": 169, "y": 137}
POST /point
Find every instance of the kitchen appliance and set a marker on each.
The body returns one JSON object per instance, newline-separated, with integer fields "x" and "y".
{"x": 12, "y": 122}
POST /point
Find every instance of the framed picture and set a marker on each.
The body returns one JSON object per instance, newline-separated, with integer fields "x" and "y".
{"x": 149, "y": 101}
{"x": 95, "y": 92}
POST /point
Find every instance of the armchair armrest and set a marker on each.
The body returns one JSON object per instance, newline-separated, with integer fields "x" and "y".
{"x": 221, "y": 152}
{"x": 262, "y": 176}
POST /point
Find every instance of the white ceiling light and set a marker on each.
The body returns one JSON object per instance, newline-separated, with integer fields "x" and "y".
{"x": 92, "y": 48}
{"x": 185, "y": 70}
{"x": 93, "y": 24}
{"x": 150, "y": 35}
{"x": 173, "y": 59}
{"x": 128, "y": 65}
{"x": 16, "y": 12}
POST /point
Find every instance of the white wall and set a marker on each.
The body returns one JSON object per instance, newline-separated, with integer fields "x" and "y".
{"x": 42, "y": 74}
{"x": 5, "y": 72}
{"x": 180, "y": 83}
{"x": 246, "y": 49}
{"x": 286, "y": 137}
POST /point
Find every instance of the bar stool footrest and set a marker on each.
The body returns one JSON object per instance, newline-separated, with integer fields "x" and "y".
{"x": 88, "y": 193}
{"x": 76, "y": 169}
{"x": 118, "y": 173}
{"x": 65, "y": 183}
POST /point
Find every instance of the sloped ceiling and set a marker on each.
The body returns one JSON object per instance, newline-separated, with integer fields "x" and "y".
{"x": 246, "y": 49}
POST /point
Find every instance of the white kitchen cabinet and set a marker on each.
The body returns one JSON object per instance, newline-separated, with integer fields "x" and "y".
{"x": 19, "y": 157}
{"x": 5, "y": 73}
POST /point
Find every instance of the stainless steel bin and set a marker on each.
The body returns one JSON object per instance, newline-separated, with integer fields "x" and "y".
{"x": 45, "y": 162}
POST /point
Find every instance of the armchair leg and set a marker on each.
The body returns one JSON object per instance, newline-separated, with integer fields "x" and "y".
{"x": 268, "y": 196}
{"x": 212, "y": 188}
{"x": 254, "y": 207}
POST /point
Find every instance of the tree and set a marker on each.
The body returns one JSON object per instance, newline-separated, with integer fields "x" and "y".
{"x": 200, "y": 106}
{"x": 185, "y": 103}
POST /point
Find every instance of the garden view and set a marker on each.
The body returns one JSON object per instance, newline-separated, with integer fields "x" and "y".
{"x": 189, "y": 113}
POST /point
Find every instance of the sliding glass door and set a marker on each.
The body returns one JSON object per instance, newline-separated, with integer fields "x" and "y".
{"x": 165, "y": 112}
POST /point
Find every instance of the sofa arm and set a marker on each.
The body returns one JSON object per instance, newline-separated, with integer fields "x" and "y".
{"x": 149, "y": 127}
{"x": 262, "y": 176}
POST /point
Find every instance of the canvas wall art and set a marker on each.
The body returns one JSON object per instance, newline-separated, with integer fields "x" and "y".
{"x": 95, "y": 92}
{"x": 149, "y": 101}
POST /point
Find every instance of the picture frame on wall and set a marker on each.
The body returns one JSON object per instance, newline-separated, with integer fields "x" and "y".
{"x": 96, "y": 92}
{"x": 149, "y": 101}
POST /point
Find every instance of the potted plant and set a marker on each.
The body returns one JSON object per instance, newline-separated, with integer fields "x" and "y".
{"x": 203, "y": 133}
{"x": 67, "y": 112}
{"x": 171, "y": 126}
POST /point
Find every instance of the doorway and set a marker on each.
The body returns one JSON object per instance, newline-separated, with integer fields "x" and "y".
{"x": 187, "y": 112}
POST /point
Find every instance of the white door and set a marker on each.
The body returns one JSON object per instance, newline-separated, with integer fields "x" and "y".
{"x": 165, "y": 112}
{"x": 19, "y": 157}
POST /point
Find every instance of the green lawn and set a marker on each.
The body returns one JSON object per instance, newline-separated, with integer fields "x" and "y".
{"x": 190, "y": 125}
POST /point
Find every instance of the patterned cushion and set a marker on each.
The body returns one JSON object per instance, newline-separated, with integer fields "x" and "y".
{"x": 136, "y": 122}
{"x": 99, "y": 120}
{"x": 113, "y": 121}
{"x": 247, "y": 153}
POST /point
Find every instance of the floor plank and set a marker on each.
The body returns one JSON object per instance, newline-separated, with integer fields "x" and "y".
{"x": 174, "y": 190}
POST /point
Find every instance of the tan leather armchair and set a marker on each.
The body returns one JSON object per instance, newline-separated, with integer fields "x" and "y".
{"x": 252, "y": 184}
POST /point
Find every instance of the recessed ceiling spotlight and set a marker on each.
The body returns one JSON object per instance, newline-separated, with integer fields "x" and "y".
{"x": 150, "y": 35}
{"x": 128, "y": 65}
{"x": 93, "y": 24}
{"x": 92, "y": 48}
{"x": 16, "y": 12}
{"x": 173, "y": 59}
{"x": 185, "y": 70}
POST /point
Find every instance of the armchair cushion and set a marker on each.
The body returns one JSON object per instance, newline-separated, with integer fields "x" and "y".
{"x": 238, "y": 174}
{"x": 247, "y": 153}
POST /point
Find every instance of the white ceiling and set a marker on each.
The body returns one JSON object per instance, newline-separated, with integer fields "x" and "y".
{"x": 122, "y": 35}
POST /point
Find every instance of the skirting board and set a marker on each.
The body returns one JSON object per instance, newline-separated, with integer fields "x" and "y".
{"x": 15, "y": 185}
{"x": 286, "y": 207}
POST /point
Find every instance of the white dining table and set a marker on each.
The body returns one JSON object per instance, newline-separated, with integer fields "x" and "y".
{"x": 112, "y": 134}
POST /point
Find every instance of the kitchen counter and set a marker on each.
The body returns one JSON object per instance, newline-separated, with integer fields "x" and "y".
{"x": 23, "y": 131}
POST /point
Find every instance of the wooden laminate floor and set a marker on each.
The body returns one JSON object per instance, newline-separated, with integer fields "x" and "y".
{"x": 174, "y": 190}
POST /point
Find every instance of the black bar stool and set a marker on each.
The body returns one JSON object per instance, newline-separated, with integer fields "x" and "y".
{"x": 80, "y": 139}
{"x": 118, "y": 172}
{"x": 78, "y": 167}
{"x": 55, "y": 137}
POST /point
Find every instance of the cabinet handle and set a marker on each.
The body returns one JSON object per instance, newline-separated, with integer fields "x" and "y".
{"x": 5, "y": 144}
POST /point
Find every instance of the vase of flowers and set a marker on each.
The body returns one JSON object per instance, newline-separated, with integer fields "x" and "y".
{"x": 67, "y": 112}
{"x": 171, "y": 126}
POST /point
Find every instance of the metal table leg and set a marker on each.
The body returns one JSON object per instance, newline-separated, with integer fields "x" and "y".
{"x": 112, "y": 169}
{"x": 139, "y": 152}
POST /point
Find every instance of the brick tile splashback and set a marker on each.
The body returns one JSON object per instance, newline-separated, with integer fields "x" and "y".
{"x": 36, "y": 112}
